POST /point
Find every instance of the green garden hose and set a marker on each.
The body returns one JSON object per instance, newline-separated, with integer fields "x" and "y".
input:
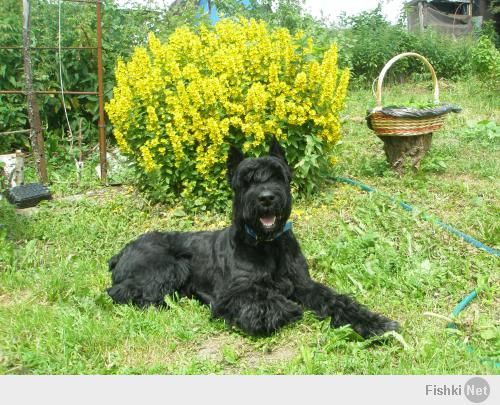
{"x": 408, "y": 207}
{"x": 469, "y": 239}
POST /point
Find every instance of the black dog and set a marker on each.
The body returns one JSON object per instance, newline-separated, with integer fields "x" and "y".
{"x": 252, "y": 274}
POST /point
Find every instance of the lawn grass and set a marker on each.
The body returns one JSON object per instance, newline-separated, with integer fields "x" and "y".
{"x": 55, "y": 318}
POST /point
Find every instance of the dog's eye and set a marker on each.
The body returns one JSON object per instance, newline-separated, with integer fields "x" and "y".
{"x": 279, "y": 177}
{"x": 248, "y": 177}
{"x": 244, "y": 179}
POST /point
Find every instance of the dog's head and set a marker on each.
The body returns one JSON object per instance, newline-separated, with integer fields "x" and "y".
{"x": 262, "y": 199}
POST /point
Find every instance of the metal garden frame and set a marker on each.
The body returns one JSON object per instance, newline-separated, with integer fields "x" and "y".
{"x": 35, "y": 131}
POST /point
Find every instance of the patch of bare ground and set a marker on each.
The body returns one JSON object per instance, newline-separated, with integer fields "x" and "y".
{"x": 276, "y": 355}
{"x": 133, "y": 355}
{"x": 100, "y": 193}
{"x": 27, "y": 212}
{"x": 244, "y": 354}
{"x": 9, "y": 300}
{"x": 212, "y": 348}
{"x": 232, "y": 352}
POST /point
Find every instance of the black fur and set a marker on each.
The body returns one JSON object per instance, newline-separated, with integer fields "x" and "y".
{"x": 258, "y": 282}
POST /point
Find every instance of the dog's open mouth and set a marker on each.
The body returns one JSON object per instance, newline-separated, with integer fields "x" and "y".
{"x": 268, "y": 222}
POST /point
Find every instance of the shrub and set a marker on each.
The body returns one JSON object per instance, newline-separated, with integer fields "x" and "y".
{"x": 486, "y": 59}
{"x": 178, "y": 106}
{"x": 450, "y": 57}
{"x": 368, "y": 41}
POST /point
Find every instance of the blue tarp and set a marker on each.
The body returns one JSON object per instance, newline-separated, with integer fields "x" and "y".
{"x": 214, "y": 16}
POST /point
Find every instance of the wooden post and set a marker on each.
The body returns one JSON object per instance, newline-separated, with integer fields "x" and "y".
{"x": 421, "y": 16}
{"x": 36, "y": 136}
{"x": 100, "y": 90}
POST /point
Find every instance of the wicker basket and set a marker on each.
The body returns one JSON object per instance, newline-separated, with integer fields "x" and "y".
{"x": 404, "y": 121}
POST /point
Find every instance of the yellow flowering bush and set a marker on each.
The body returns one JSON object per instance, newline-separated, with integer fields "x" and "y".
{"x": 177, "y": 106}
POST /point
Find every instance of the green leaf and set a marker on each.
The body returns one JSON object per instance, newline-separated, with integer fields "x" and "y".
{"x": 179, "y": 212}
{"x": 489, "y": 334}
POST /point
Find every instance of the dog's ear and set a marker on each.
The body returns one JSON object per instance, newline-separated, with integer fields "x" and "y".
{"x": 234, "y": 158}
{"x": 276, "y": 150}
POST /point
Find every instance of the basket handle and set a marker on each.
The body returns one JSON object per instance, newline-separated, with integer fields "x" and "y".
{"x": 378, "y": 95}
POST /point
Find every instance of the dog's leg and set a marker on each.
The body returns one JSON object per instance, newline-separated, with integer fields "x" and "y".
{"x": 149, "y": 286}
{"x": 343, "y": 310}
{"x": 148, "y": 269}
{"x": 258, "y": 311}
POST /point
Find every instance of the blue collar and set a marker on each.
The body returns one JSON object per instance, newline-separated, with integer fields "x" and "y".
{"x": 252, "y": 233}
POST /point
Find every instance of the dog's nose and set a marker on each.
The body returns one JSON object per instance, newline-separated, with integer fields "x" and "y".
{"x": 266, "y": 198}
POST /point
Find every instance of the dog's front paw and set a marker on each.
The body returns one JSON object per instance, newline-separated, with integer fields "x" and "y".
{"x": 377, "y": 325}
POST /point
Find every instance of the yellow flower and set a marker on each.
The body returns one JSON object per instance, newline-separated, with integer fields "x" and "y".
{"x": 147, "y": 159}
{"x": 122, "y": 143}
{"x": 301, "y": 81}
{"x": 178, "y": 104}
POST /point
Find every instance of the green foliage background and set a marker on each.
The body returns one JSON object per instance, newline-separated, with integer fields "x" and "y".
{"x": 123, "y": 29}
{"x": 366, "y": 42}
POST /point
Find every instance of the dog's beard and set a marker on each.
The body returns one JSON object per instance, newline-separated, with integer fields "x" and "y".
{"x": 266, "y": 221}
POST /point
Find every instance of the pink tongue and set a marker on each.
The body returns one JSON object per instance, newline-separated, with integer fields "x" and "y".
{"x": 268, "y": 220}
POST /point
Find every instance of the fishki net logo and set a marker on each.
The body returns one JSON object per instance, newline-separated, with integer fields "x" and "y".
{"x": 475, "y": 390}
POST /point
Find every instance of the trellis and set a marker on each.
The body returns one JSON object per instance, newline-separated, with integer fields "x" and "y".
{"x": 35, "y": 131}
